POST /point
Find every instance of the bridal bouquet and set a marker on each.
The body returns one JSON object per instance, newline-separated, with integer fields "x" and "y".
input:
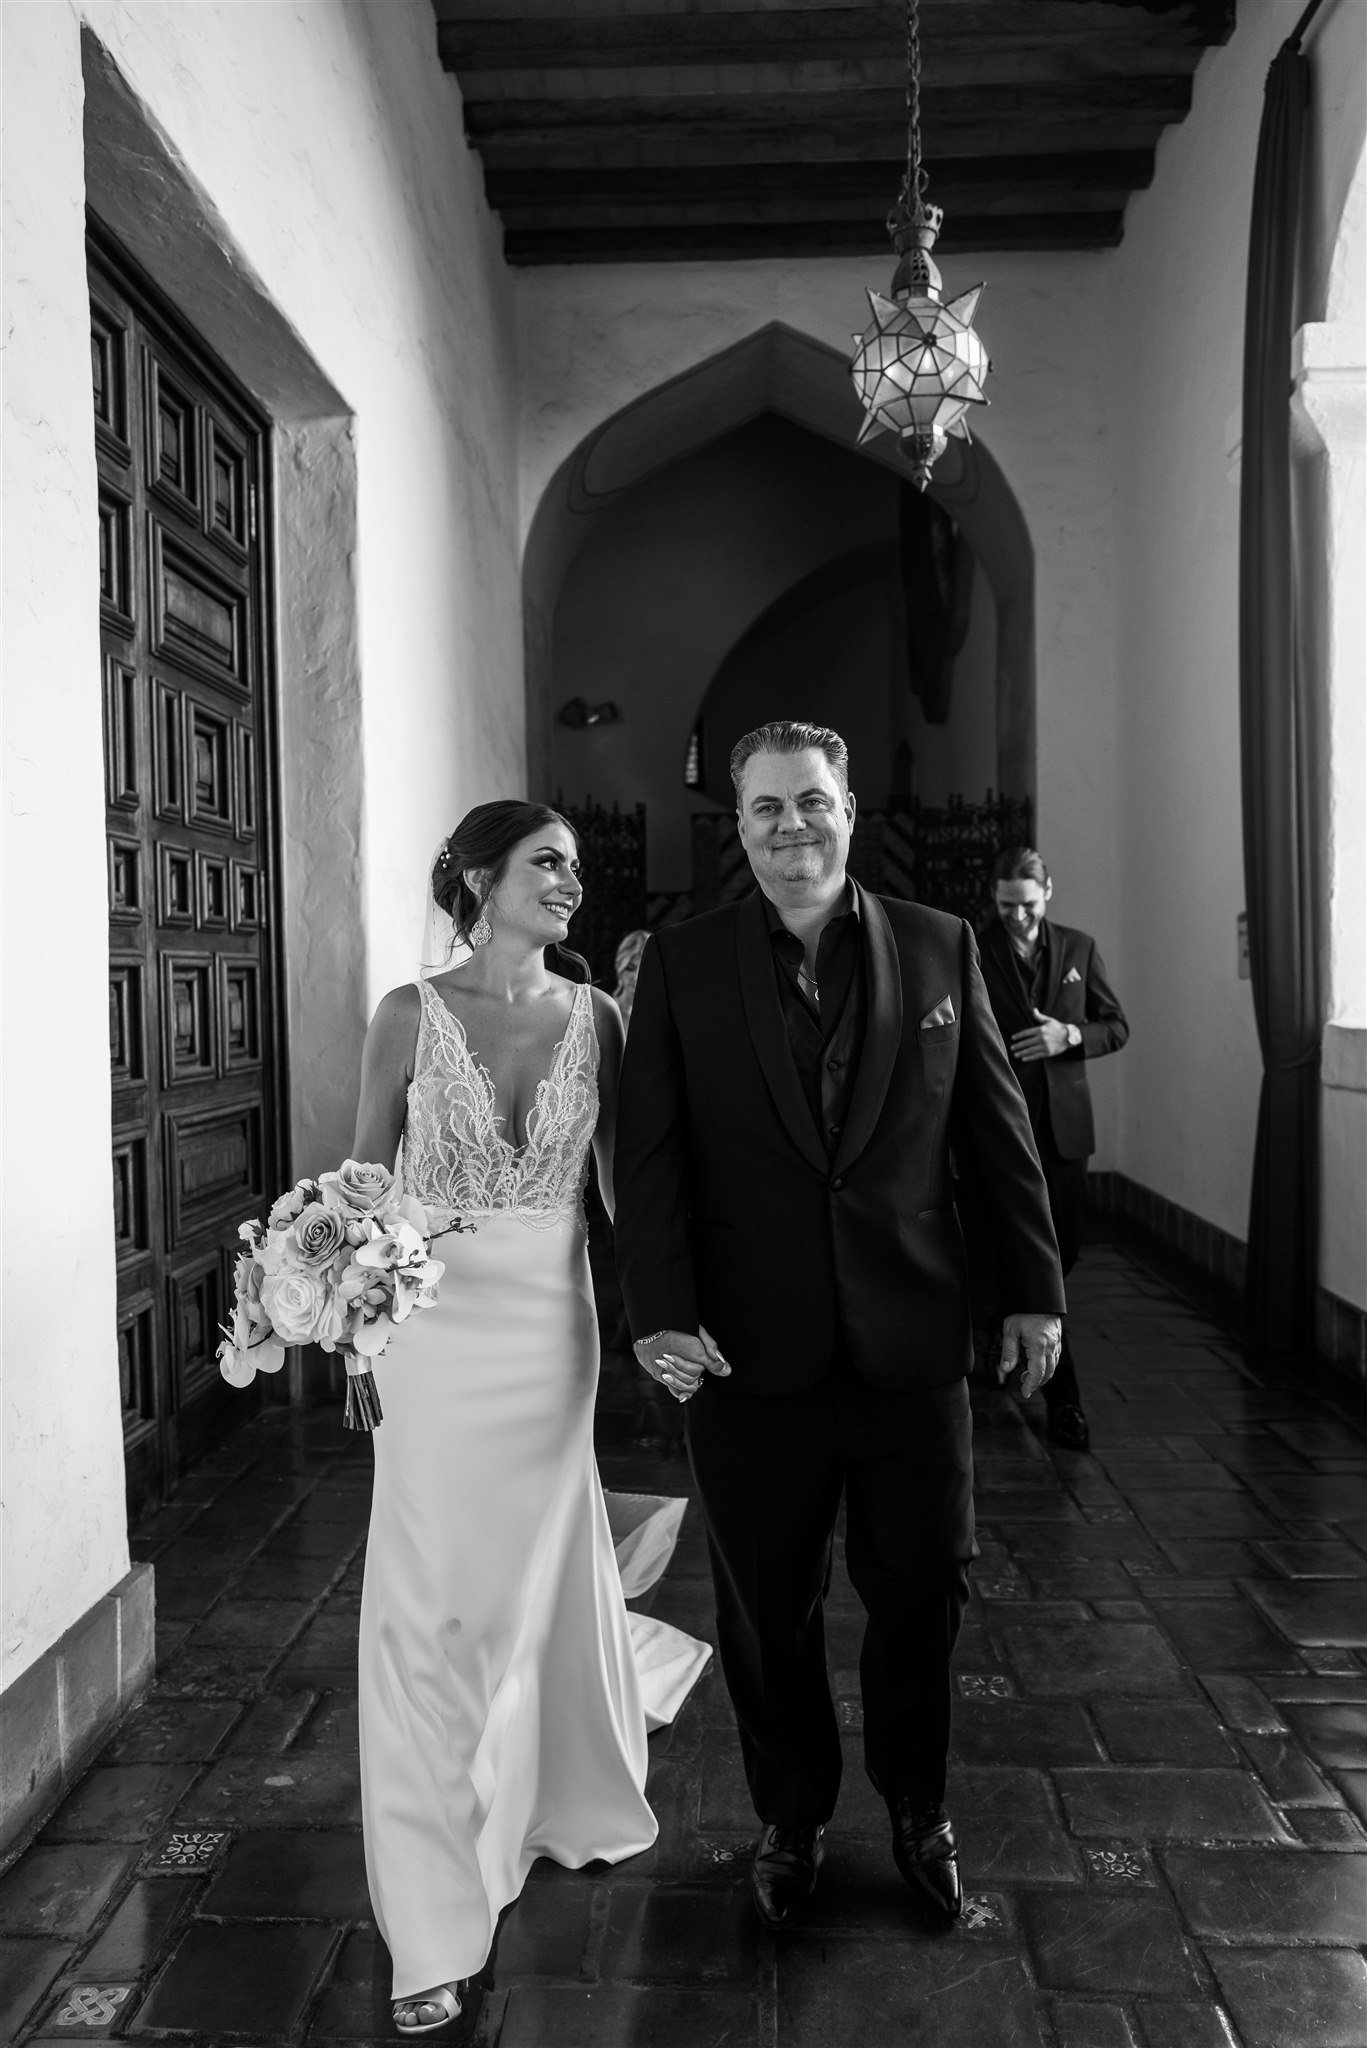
{"x": 341, "y": 1260}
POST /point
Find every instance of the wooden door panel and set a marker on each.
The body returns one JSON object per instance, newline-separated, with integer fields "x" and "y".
{"x": 247, "y": 908}
{"x": 199, "y": 618}
{"x": 116, "y": 550}
{"x": 226, "y": 498}
{"x": 124, "y": 768}
{"x": 172, "y": 438}
{"x": 194, "y": 989}
{"x": 209, "y": 754}
{"x": 213, "y": 1161}
{"x": 109, "y": 380}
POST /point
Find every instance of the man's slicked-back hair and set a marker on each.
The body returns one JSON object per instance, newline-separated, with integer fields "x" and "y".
{"x": 792, "y": 736}
{"x": 1020, "y": 864}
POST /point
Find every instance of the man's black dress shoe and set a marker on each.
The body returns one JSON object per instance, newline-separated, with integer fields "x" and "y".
{"x": 783, "y": 1877}
{"x": 925, "y": 1852}
{"x": 1068, "y": 1425}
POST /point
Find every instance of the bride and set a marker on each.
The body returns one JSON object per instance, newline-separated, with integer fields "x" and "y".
{"x": 503, "y": 1715}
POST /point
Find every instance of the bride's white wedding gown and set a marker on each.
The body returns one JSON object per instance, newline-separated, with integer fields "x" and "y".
{"x": 505, "y": 1690}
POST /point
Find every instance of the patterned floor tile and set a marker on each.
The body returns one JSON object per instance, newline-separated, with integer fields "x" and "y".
{"x": 1156, "y": 1671}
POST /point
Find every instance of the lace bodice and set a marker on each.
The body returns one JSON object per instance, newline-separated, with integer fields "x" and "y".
{"x": 455, "y": 1158}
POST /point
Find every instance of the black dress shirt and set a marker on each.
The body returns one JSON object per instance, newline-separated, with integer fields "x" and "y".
{"x": 1034, "y": 976}
{"x": 825, "y": 1037}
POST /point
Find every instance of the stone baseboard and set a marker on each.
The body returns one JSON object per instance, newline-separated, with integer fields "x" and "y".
{"x": 58, "y": 1713}
{"x": 1340, "y": 1328}
{"x": 1341, "y": 1333}
{"x": 1202, "y": 1244}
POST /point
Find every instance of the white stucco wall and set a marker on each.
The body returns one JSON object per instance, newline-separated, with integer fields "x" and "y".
{"x": 329, "y": 143}
{"x": 593, "y": 339}
{"x": 1192, "y": 1070}
{"x": 64, "y": 1534}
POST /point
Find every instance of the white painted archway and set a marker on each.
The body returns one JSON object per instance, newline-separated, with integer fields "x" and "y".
{"x": 777, "y": 370}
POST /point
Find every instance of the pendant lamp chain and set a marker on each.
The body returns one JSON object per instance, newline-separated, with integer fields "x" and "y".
{"x": 915, "y": 182}
{"x": 920, "y": 366}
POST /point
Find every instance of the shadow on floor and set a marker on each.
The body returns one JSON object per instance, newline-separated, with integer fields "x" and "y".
{"x": 1159, "y": 1772}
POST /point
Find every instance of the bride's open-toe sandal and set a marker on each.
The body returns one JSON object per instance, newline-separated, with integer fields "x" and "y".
{"x": 443, "y": 1997}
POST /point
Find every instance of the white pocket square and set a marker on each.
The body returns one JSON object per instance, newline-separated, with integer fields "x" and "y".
{"x": 943, "y": 1013}
{"x": 1071, "y": 975}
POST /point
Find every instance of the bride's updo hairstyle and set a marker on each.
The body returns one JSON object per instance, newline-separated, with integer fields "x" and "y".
{"x": 483, "y": 841}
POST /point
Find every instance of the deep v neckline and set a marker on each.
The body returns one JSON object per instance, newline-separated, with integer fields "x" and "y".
{"x": 486, "y": 1079}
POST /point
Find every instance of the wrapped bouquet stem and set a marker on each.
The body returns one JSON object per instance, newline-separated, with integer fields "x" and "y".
{"x": 340, "y": 1261}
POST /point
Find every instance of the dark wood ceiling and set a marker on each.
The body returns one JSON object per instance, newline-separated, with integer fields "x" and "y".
{"x": 652, "y": 129}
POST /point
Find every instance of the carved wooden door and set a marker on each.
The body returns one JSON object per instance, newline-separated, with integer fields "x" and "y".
{"x": 194, "y": 983}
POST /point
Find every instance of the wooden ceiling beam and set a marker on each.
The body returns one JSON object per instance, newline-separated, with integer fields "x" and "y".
{"x": 868, "y": 210}
{"x": 627, "y": 199}
{"x": 628, "y": 130}
{"x": 962, "y": 177}
{"x": 665, "y": 145}
{"x": 1084, "y": 69}
{"x": 1211, "y": 20}
{"x": 800, "y": 238}
{"x": 1059, "y": 102}
{"x": 1008, "y": 42}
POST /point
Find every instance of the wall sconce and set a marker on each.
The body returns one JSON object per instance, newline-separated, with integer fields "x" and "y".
{"x": 579, "y": 712}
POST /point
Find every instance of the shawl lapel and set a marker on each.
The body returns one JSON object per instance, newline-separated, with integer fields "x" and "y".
{"x": 882, "y": 1030}
{"x": 764, "y": 1015}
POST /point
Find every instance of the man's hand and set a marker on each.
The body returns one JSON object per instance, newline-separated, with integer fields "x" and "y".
{"x": 1045, "y": 1040}
{"x": 679, "y": 1361}
{"x": 1039, "y": 1337}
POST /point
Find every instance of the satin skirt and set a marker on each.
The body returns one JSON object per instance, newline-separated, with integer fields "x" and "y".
{"x": 502, "y": 1715}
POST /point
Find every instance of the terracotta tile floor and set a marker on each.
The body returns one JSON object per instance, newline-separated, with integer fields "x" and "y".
{"x": 1160, "y": 1763}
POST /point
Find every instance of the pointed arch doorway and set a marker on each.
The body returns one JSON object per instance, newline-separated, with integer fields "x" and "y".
{"x": 783, "y": 375}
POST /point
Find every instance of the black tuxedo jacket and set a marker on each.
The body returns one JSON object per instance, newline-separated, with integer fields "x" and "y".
{"x": 1077, "y": 992}
{"x": 730, "y": 1211}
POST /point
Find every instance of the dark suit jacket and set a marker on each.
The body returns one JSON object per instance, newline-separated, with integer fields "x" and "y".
{"x": 730, "y": 1211}
{"x": 1077, "y": 992}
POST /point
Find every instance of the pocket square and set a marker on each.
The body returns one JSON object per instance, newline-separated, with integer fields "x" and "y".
{"x": 943, "y": 1013}
{"x": 1071, "y": 975}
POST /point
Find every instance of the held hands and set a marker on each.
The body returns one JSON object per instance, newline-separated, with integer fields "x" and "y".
{"x": 679, "y": 1361}
{"x": 1045, "y": 1039}
{"x": 1040, "y": 1338}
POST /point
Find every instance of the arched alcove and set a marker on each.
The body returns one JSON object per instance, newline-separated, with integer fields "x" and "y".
{"x": 778, "y": 371}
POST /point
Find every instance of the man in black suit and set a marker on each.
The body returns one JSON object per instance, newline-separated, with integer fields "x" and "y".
{"x": 1056, "y": 1010}
{"x": 798, "y": 1065}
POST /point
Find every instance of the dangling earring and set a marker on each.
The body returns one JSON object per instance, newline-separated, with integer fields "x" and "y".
{"x": 481, "y": 931}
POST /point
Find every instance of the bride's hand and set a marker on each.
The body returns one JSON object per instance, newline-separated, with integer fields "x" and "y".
{"x": 678, "y": 1361}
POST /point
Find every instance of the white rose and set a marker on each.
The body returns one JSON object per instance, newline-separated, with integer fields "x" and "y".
{"x": 331, "y": 1326}
{"x": 357, "y": 1189}
{"x": 319, "y": 1234}
{"x": 284, "y": 1211}
{"x": 293, "y": 1301}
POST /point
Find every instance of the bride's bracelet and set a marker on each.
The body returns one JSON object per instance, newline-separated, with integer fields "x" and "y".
{"x": 638, "y": 1342}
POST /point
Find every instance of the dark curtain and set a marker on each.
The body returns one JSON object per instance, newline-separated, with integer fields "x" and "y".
{"x": 1279, "y": 848}
{"x": 937, "y": 566}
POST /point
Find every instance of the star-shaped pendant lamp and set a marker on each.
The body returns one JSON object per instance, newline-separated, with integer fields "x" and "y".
{"x": 920, "y": 366}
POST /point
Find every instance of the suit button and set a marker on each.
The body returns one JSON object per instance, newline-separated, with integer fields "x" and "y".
{"x": 834, "y": 1066}
{"x": 836, "y": 1186}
